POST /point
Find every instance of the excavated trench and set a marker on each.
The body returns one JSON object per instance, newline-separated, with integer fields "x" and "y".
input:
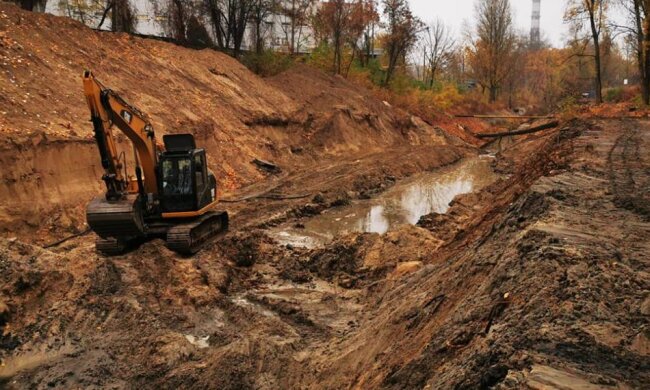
{"x": 404, "y": 203}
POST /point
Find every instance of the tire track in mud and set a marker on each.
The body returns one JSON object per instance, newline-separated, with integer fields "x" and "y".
{"x": 629, "y": 187}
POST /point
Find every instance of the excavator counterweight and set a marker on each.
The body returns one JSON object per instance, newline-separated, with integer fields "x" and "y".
{"x": 171, "y": 194}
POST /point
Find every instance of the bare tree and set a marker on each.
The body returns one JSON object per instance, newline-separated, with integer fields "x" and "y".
{"x": 123, "y": 17}
{"x": 637, "y": 12}
{"x": 492, "y": 49}
{"x": 175, "y": 17}
{"x": 230, "y": 18}
{"x": 183, "y": 21}
{"x": 260, "y": 12}
{"x": 437, "y": 44}
{"x": 593, "y": 13}
{"x": 297, "y": 14}
{"x": 402, "y": 32}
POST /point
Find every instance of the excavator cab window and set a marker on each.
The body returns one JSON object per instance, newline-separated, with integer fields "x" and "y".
{"x": 198, "y": 168}
{"x": 204, "y": 186}
{"x": 177, "y": 176}
{"x": 177, "y": 184}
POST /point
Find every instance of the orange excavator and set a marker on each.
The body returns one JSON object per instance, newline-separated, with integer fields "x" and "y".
{"x": 172, "y": 194}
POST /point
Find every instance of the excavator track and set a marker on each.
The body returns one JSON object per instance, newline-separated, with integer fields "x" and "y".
{"x": 111, "y": 246}
{"x": 188, "y": 238}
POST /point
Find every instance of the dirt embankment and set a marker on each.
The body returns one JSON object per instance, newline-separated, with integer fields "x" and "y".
{"x": 50, "y": 167}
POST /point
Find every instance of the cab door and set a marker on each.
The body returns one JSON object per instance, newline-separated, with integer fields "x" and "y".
{"x": 203, "y": 194}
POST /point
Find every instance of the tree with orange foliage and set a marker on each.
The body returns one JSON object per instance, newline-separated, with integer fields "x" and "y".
{"x": 342, "y": 23}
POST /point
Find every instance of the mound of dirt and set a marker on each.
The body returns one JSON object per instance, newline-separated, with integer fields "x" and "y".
{"x": 337, "y": 109}
{"x": 539, "y": 283}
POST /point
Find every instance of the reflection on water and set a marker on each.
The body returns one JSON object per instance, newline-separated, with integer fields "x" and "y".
{"x": 423, "y": 199}
{"x": 404, "y": 203}
{"x": 374, "y": 221}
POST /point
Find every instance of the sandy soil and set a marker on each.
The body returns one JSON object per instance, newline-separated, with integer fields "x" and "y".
{"x": 538, "y": 281}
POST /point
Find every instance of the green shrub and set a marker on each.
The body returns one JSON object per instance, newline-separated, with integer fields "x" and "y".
{"x": 614, "y": 95}
{"x": 267, "y": 63}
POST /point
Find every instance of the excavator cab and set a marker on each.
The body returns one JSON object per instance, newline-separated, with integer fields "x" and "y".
{"x": 186, "y": 184}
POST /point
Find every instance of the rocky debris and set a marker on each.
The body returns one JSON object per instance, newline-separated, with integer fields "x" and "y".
{"x": 267, "y": 166}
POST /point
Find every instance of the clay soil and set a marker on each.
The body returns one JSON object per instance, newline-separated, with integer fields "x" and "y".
{"x": 538, "y": 281}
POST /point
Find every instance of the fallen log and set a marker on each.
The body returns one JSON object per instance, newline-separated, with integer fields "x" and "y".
{"x": 531, "y": 130}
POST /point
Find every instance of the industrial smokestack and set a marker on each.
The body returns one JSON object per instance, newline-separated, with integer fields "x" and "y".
{"x": 535, "y": 23}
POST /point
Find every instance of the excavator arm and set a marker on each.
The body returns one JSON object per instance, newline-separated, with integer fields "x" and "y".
{"x": 108, "y": 109}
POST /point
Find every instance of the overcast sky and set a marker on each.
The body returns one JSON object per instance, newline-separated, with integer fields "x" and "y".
{"x": 456, "y": 12}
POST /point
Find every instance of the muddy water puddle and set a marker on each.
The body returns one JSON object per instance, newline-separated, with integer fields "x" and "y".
{"x": 404, "y": 203}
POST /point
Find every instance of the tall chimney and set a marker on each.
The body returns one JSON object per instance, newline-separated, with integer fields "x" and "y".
{"x": 535, "y": 23}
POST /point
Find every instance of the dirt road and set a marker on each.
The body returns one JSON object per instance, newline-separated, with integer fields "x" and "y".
{"x": 538, "y": 280}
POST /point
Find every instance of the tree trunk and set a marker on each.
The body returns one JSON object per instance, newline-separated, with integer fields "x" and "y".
{"x": 645, "y": 72}
{"x": 640, "y": 51}
{"x": 108, "y": 9}
{"x": 595, "y": 34}
{"x": 28, "y": 4}
{"x": 494, "y": 91}
{"x": 292, "y": 49}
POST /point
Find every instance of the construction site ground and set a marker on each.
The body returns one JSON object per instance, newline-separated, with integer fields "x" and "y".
{"x": 538, "y": 280}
